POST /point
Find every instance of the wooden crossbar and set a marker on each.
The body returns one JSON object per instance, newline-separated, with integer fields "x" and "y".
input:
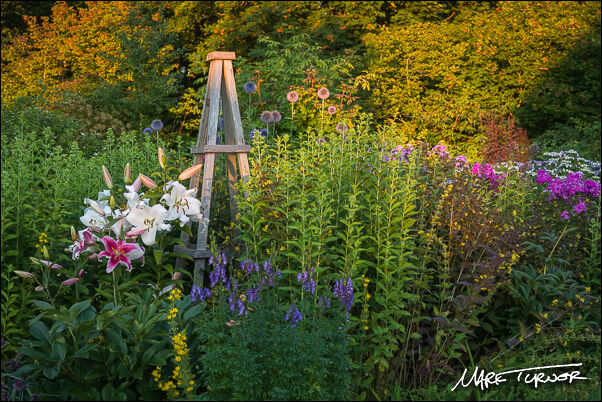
{"x": 220, "y": 86}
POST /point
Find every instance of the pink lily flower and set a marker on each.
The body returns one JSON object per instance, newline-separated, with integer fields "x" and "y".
{"x": 118, "y": 252}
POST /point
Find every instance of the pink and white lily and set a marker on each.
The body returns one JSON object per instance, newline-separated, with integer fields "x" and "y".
{"x": 119, "y": 252}
{"x": 181, "y": 203}
{"x": 149, "y": 218}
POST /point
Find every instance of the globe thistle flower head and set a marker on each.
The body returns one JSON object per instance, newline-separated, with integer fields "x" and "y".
{"x": 332, "y": 109}
{"x": 156, "y": 125}
{"x": 264, "y": 132}
{"x": 292, "y": 96}
{"x": 250, "y": 87}
{"x": 323, "y": 93}
{"x": 341, "y": 128}
{"x": 276, "y": 117}
{"x": 266, "y": 117}
{"x": 147, "y": 130}
{"x": 254, "y": 132}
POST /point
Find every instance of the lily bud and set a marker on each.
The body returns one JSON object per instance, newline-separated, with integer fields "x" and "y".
{"x": 73, "y": 234}
{"x": 136, "y": 232}
{"x": 80, "y": 273}
{"x": 162, "y": 158}
{"x": 70, "y": 281}
{"x": 127, "y": 173}
{"x": 96, "y": 207}
{"x": 112, "y": 202}
{"x": 24, "y": 274}
{"x": 45, "y": 252}
{"x": 51, "y": 264}
{"x": 107, "y": 177}
{"x": 93, "y": 256}
{"x": 148, "y": 182}
{"x": 40, "y": 288}
{"x": 189, "y": 172}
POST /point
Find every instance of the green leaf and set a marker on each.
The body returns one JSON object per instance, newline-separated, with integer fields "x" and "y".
{"x": 59, "y": 351}
{"x": 51, "y": 372}
{"x": 39, "y": 330}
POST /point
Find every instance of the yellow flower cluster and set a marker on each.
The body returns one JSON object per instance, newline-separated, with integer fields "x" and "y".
{"x": 175, "y": 294}
{"x": 42, "y": 240}
{"x": 537, "y": 328}
{"x": 157, "y": 373}
{"x": 179, "y": 341}
{"x": 172, "y": 313}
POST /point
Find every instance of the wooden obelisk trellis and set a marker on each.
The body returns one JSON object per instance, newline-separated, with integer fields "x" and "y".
{"x": 220, "y": 85}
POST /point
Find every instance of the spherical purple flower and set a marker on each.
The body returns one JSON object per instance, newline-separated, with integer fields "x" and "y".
{"x": 342, "y": 128}
{"x": 250, "y": 87}
{"x": 323, "y": 93}
{"x": 147, "y": 130}
{"x": 565, "y": 215}
{"x": 264, "y": 132}
{"x": 292, "y": 96}
{"x": 276, "y": 117}
{"x": 332, "y": 109}
{"x": 156, "y": 125}
{"x": 266, "y": 117}
{"x": 253, "y": 133}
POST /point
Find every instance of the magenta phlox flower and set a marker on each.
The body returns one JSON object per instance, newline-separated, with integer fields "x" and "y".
{"x": 119, "y": 252}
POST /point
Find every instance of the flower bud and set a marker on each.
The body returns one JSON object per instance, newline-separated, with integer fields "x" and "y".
{"x": 148, "y": 182}
{"x": 189, "y": 172}
{"x": 93, "y": 256}
{"x": 70, "y": 281}
{"x": 136, "y": 232}
{"x": 112, "y": 202}
{"x": 127, "y": 173}
{"x": 80, "y": 273}
{"x": 45, "y": 252}
{"x": 40, "y": 288}
{"x": 73, "y": 234}
{"x": 51, "y": 264}
{"x": 96, "y": 207}
{"x": 162, "y": 158}
{"x": 24, "y": 274}
{"x": 107, "y": 177}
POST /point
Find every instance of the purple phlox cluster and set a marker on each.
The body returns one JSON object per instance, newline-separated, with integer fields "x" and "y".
{"x": 343, "y": 289}
{"x": 571, "y": 186}
{"x": 440, "y": 151}
{"x": 306, "y": 277}
{"x": 461, "y": 162}
{"x": 570, "y": 189}
{"x": 219, "y": 272}
{"x": 199, "y": 294}
{"x": 294, "y": 314}
{"x": 324, "y": 301}
{"x": 248, "y": 266}
{"x": 270, "y": 273}
{"x": 485, "y": 170}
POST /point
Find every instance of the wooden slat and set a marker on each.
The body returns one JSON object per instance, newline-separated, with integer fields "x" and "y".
{"x": 221, "y": 56}
{"x": 220, "y": 149}
{"x": 193, "y": 253}
{"x": 231, "y": 159}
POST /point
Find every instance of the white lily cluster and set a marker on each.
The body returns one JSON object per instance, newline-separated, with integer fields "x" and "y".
{"x": 137, "y": 217}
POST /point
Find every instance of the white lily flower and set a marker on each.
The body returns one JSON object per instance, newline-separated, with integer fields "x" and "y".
{"x": 150, "y": 218}
{"x": 122, "y": 225}
{"x": 181, "y": 203}
{"x": 92, "y": 218}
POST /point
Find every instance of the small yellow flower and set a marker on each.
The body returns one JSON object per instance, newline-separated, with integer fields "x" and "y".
{"x": 365, "y": 327}
{"x": 521, "y": 339}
